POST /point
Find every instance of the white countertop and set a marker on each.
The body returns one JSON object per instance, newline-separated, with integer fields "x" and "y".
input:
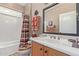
{"x": 57, "y": 45}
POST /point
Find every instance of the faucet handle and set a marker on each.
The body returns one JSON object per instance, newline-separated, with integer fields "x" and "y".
{"x": 77, "y": 40}
{"x": 54, "y": 37}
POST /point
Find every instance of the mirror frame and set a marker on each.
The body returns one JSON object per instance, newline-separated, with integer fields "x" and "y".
{"x": 52, "y": 5}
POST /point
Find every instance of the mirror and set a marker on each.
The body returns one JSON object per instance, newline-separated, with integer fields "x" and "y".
{"x": 60, "y": 18}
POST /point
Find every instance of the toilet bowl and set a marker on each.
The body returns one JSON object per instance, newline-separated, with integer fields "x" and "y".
{"x": 22, "y": 53}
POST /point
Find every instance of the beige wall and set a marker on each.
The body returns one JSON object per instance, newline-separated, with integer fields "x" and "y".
{"x": 54, "y": 12}
{"x": 28, "y": 11}
{"x": 13, "y": 6}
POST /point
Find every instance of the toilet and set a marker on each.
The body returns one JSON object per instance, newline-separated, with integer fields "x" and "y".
{"x": 22, "y": 53}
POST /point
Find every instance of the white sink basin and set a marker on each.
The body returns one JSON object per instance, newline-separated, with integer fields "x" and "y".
{"x": 66, "y": 42}
{"x": 56, "y": 41}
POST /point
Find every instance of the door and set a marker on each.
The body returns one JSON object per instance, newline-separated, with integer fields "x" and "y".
{"x": 37, "y": 49}
{"x": 53, "y": 52}
{"x": 48, "y": 51}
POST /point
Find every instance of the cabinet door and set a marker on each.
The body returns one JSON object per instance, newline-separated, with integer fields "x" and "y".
{"x": 45, "y": 51}
{"x": 37, "y": 49}
{"x": 53, "y": 52}
{"x": 48, "y": 51}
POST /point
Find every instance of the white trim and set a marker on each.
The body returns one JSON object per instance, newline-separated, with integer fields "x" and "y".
{"x": 10, "y": 12}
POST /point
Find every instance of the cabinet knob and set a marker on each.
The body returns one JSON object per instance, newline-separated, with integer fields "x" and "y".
{"x": 46, "y": 51}
{"x": 41, "y": 49}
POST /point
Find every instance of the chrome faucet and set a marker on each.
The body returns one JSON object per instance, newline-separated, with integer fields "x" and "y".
{"x": 75, "y": 42}
{"x": 54, "y": 37}
{"x": 59, "y": 38}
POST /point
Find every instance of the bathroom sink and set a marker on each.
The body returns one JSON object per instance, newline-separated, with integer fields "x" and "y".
{"x": 65, "y": 42}
{"x": 55, "y": 41}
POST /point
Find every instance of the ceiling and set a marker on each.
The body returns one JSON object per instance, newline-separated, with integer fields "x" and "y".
{"x": 22, "y": 4}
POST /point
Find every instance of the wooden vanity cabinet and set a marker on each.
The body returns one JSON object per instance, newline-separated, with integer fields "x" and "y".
{"x": 37, "y": 49}
{"x": 40, "y": 50}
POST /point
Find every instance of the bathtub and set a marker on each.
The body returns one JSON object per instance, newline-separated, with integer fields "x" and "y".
{"x": 8, "y": 48}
